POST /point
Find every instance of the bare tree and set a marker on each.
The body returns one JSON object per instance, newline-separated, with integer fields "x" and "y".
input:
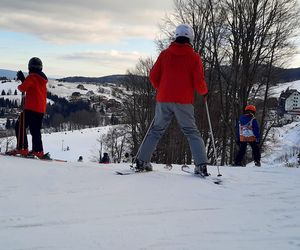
{"x": 240, "y": 42}
{"x": 99, "y": 154}
{"x": 139, "y": 104}
{"x": 116, "y": 141}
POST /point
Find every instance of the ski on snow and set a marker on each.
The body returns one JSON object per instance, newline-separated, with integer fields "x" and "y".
{"x": 184, "y": 168}
{"x": 126, "y": 172}
{"x": 33, "y": 157}
{"x": 215, "y": 180}
{"x": 130, "y": 171}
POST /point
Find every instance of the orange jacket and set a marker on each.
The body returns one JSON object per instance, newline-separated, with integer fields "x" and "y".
{"x": 36, "y": 92}
{"x": 177, "y": 73}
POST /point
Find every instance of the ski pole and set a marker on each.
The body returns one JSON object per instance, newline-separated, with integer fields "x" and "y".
{"x": 212, "y": 135}
{"x": 138, "y": 152}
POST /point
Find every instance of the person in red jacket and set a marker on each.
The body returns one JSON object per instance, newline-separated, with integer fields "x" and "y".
{"x": 35, "y": 89}
{"x": 176, "y": 74}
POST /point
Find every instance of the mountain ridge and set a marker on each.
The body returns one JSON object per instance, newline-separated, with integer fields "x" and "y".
{"x": 284, "y": 75}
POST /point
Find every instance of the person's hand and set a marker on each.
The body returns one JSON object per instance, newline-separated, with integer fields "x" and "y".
{"x": 20, "y": 76}
{"x": 205, "y": 96}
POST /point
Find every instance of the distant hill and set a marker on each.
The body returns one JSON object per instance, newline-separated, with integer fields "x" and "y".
{"x": 10, "y": 74}
{"x": 100, "y": 80}
{"x": 289, "y": 75}
{"x": 284, "y": 75}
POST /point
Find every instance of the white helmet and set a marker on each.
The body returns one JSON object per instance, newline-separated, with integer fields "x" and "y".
{"x": 185, "y": 30}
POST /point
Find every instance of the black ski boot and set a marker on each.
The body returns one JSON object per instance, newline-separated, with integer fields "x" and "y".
{"x": 143, "y": 166}
{"x": 201, "y": 170}
{"x": 257, "y": 163}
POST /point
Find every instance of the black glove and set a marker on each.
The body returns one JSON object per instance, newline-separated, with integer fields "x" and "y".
{"x": 20, "y": 76}
{"x": 205, "y": 96}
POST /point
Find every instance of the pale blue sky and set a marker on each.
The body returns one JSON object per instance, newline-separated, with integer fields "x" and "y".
{"x": 75, "y": 37}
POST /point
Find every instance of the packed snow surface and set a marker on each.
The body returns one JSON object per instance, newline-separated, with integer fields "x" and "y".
{"x": 84, "y": 205}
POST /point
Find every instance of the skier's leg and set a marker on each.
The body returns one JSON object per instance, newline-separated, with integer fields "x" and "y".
{"x": 255, "y": 152}
{"x": 185, "y": 117}
{"x": 163, "y": 117}
{"x": 241, "y": 153}
{"x": 35, "y": 124}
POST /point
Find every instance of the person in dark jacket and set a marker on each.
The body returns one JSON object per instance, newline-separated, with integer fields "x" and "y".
{"x": 247, "y": 132}
{"x": 105, "y": 158}
{"x": 34, "y": 86}
{"x": 176, "y": 75}
{"x": 127, "y": 158}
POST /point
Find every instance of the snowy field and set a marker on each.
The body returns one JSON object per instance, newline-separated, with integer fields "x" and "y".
{"x": 10, "y": 87}
{"x": 276, "y": 91}
{"x": 86, "y": 206}
{"x": 73, "y": 205}
{"x": 79, "y": 142}
{"x": 66, "y": 89}
{"x": 283, "y": 145}
{"x": 50, "y": 205}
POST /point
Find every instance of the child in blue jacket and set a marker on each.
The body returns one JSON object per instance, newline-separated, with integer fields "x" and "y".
{"x": 247, "y": 132}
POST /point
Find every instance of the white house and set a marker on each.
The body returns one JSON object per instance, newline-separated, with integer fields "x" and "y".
{"x": 293, "y": 101}
{"x": 290, "y": 100}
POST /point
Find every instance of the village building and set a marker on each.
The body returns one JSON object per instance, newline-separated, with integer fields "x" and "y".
{"x": 289, "y": 103}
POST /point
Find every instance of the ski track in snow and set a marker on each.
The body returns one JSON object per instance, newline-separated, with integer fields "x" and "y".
{"x": 47, "y": 205}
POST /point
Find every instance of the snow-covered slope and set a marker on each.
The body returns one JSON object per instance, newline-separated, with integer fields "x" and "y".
{"x": 85, "y": 205}
{"x": 83, "y": 143}
{"x": 276, "y": 91}
{"x": 69, "y": 145}
{"x": 283, "y": 146}
{"x": 50, "y": 205}
{"x": 10, "y": 87}
{"x": 65, "y": 89}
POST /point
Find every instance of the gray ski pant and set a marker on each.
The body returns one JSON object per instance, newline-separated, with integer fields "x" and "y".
{"x": 184, "y": 114}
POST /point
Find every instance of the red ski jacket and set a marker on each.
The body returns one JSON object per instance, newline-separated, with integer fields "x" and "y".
{"x": 177, "y": 73}
{"x": 36, "y": 92}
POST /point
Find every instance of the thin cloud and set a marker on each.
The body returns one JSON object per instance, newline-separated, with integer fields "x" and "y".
{"x": 103, "y": 56}
{"x": 111, "y": 62}
{"x": 77, "y": 21}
